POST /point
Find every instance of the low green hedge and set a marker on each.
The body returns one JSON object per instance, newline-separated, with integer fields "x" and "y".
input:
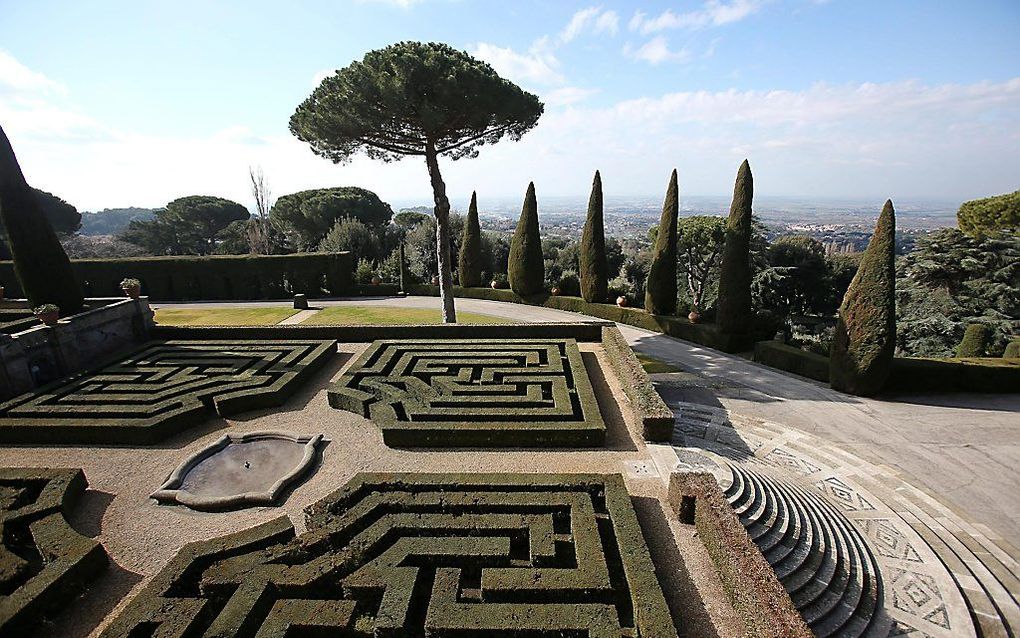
{"x": 749, "y": 581}
{"x": 791, "y": 359}
{"x": 656, "y": 417}
{"x": 211, "y": 277}
{"x": 705, "y": 334}
{"x": 909, "y": 374}
{"x": 581, "y": 331}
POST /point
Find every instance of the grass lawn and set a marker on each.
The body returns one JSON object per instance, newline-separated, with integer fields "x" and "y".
{"x": 391, "y": 316}
{"x": 655, "y": 366}
{"x": 222, "y": 316}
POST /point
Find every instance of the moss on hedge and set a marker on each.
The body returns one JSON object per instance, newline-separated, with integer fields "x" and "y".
{"x": 656, "y": 417}
{"x": 975, "y": 341}
{"x": 791, "y": 359}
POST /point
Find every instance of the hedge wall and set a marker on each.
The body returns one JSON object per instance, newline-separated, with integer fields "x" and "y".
{"x": 992, "y": 375}
{"x": 211, "y": 277}
{"x": 656, "y": 417}
{"x": 705, "y": 334}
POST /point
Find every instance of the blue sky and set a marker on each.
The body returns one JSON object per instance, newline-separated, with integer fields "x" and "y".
{"x": 134, "y": 103}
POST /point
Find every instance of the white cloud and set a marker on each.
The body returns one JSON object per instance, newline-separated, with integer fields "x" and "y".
{"x": 656, "y": 51}
{"x": 888, "y": 140}
{"x": 567, "y": 96}
{"x": 594, "y": 19}
{"x": 714, "y": 13}
{"x": 16, "y": 78}
{"x": 538, "y": 65}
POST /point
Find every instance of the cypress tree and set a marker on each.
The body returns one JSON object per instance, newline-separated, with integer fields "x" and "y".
{"x": 405, "y": 278}
{"x": 470, "y": 265}
{"x": 865, "y": 338}
{"x": 660, "y": 289}
{"x": 593, "y": 266}
{"x": 526, "y": 267}
{"x": 40, "y": 262}
{"x": 733, "y": 309}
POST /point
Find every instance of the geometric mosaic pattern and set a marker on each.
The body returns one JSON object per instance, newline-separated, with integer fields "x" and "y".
{"x": 466, "y": 555}
{"x": 43, "y": 561}
{"x": 160, "y": 389}
{"x": 459, "y": 392}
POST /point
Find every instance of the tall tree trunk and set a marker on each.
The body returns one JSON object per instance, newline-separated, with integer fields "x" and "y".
{"x": 442, "y": 212}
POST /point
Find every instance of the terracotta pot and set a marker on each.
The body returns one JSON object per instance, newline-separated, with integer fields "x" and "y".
{"x": 621, "y": 301}
{"x": 435, "y": 280}
{"x": 555, "y": 292}
{"x": 376, "y": 281}
{"x": 694, "y": 316}
{"x": 49, "y": 318}
{"x": 132, "y": 291}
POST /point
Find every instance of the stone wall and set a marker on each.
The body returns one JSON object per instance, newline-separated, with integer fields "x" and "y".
{"x": 42, "y": 354}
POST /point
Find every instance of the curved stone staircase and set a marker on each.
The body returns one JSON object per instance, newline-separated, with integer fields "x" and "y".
{"x": 820, "y": 558}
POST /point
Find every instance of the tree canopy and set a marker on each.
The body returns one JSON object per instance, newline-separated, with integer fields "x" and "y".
{"x": 63, "y": 217}
{"x": 306, "y": 216}
{"x": 187, "y": 226}
{"x": 991, "y": 215}
{"x": 416, "y": 98}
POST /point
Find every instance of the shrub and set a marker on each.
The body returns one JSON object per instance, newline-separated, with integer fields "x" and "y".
{"x": 470, "y": 266}
{"x": 364, "y": 273}
{"x": 660, "y": 291}
{"x": 569, "y": 284}
{"x": 865, "y": 336}
{"x": 526, "y": 265}
{"x": 307, "y": 216}
{"x": 593, "y": 266}
{"x": 130, "y": 282}
{"x": 975, "y": 341}
{"x": 1012, "y": 350}
{"x": 351, "y": 235}
{"x": 734, "y": 302}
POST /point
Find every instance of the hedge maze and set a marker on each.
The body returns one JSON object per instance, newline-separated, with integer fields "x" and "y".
{"x": 474, "y": 392}
{"x": 43, "y": 561}
{"x": 160, "y": 389}
{"x": 438, "y": 555}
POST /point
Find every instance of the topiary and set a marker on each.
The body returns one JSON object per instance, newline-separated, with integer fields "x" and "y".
{"x": 975, "y": 341}
{"x": 594, "y": 269}
{"x": 526, "y": 267}
{"x": 40, "y": 262}
{"x": 470, "y": 265}
{"x": 733, "y": 307}
{"x": 865, "y": 335}
{"x": 660, "y": 289}
{"x": 1012, "y": 350}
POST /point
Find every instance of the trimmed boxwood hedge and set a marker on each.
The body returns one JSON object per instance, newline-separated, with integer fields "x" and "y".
{"x": 656, "y": 417}
{"x": 45, "y": 563}
{"x": 211, "y": 277}
{"x": 705, "y": 334}
{"x": 747, "y": 578}
{"x": 991, "y": 375}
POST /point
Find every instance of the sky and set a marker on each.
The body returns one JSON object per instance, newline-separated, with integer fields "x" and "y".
{"x": 135, "y": 103}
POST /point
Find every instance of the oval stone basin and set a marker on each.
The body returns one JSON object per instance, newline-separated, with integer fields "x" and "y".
{"x": 240, "y": 471}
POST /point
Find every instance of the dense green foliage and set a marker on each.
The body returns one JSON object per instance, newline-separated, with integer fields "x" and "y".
{"x": 734, "y": 304}
{"x": 526, "y": 266}
{"x": 110, "y": 221}
{"x": 414, "y": 98}
{"x": 63, "y": 217}
{"x": 306, "y": 216}
{"x": 865, "y": 336}
{"x": 1012, "y": 350}
{"x": 593, "y": 267}
{"x": 660, "y": 291}
{"x": 40, "y": 263}
{"x": 699, "y": 244}
{"x": 187, "y": 226}
{"x": 470, "y": 262}
{"x": 349, "y": 234}
{"x": 950, "y": 280}
{"x": 991, "y": 215}
{"x": 975, "y": 341}
{"x": 805, "y": 287}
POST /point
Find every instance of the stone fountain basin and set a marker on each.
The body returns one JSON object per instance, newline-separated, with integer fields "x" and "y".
{"x": 240, "y": 470}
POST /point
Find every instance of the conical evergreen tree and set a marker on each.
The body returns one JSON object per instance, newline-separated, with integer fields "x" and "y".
{"x": 865, "y": 338}
{"x": 526, "y": 268}
{"x": 40, "y": 262}
{"x": 733, "y": 308}
{"x": 660, "y": 289}
{"x": 470, "y": 265}
{"x": 593, "y": 265}
{"x": 405, "y": 277}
